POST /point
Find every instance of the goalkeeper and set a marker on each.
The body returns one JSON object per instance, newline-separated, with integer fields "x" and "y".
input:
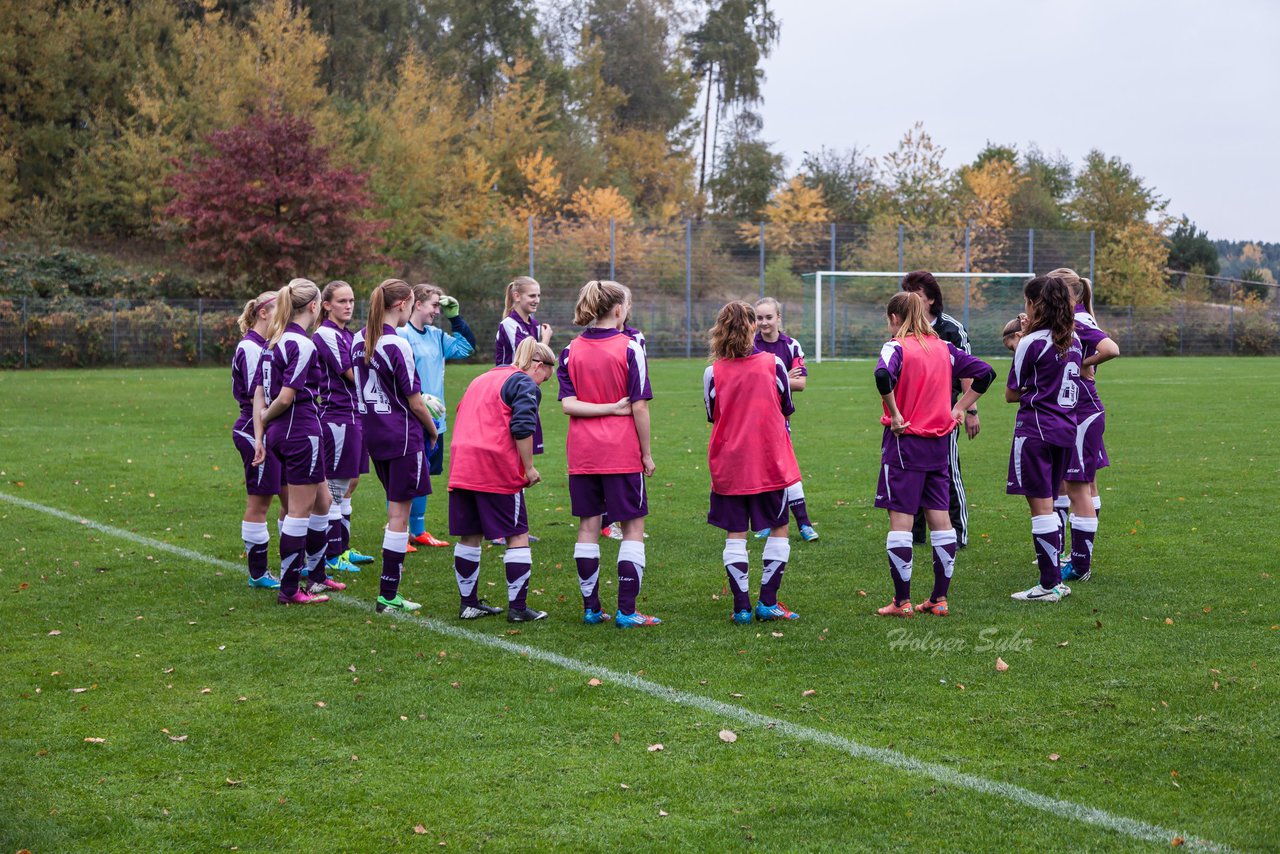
{"x": 431, "y": 349}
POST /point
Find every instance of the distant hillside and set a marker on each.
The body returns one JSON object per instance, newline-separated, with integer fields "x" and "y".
{"x": 1239, "y": 256}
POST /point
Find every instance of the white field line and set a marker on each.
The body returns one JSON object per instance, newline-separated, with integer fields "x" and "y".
{"x": 1069, "y": 810}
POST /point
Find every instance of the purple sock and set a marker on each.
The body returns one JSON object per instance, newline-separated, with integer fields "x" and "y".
{"x": 394, "y": 544}
{"x": 944, "y": 562}
{"x": 466, "y": 571}
{"x": 1046, "y": 536}
{"x": 630, "y": 574}
{"x": 317, "y": 541}
{"x": 334, "y": 548}
{"x": 1083, "y": 530}
{"x": 1062, "y": 509}
{"x": 898, "y": 545}
{"x": 777, "y": 551}
{"x": 736, "y": 567}
{"x": 795, "y": 500}
{"x": 587, "y": 557}
{"x": 346, "y": 524}
{"x": 293, "y": 553}
{"x": 256, "y": 547}
{"x": 519, "y": 564}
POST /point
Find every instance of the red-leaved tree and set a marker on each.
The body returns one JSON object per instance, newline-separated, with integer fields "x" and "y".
{"x": 266, "y": 204}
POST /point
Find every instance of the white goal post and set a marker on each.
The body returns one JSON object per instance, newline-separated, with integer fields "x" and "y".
{"x": 821, "y": 276}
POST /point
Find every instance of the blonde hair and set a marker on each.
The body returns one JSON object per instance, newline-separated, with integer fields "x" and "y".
{"x": 596, "y": 299}
{"x": 777, "y": 306}
{"x": 249, "y": 316}
{"x": 424, "y": 292}
{"x": 531, "y": 350}
{"x": 1080, "y": 287}
{"x": 327, "y": 295}
{"x": 733, "y": 336}
{"x": 1010, "y": 333}
{"x": 292, "y": 298}
{"x": 910, "y": 309}
{"x": 518, "y": 284}
{"x": 385, "y": 295}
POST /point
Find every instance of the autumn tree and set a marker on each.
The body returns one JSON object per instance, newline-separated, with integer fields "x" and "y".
{"x": 848, "y": 180}
{"x": 267, "y": 205}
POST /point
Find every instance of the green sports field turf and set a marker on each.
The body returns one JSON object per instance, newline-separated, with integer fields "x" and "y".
{"x": 1145, "y": 703}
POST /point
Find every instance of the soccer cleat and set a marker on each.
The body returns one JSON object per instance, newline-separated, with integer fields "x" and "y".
{"x": 410, "y": 548}
{"x": 524, "y": 615}
{"x": 355, "y": 557}
{"x": 425, "y": 539}
{"x": 743, "y": 617}
{"x": 1039, "y": 594}
{"x": 615, "y": 532}
{"x": 499, "y": 541}
{"x": 808, "y": 534}
{"x": 300, "y": 598}
{"x": 595, "y": 618}
{"x": 327, "y": 584}
{"x": 938, "y": 609}
{"x": 893, "y": 609}
{"x": 628, "y": 621}
{"x": 266, "y": 582}
{"x": 777, "y": 611}
{"x": 476, "y": 611}
{"x": 761, "y": 534}
{"x": 340, "y": 564}
{"x": 397, "y": 604}
{"x": 1069, "y": 573}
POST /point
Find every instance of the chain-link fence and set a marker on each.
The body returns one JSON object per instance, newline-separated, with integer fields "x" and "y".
{"x": 682, "y": 273}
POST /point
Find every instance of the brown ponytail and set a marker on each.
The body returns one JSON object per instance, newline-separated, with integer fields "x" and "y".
{"x": 596, "y": 299}
{"x": 249, "y": 316}
{"x": 385, "y": 295}
{"x": 910, "y": 309}
{"x": 1050, "y": 307}
{"x": 290, "y": 299}
{"x": 517, "y": 285}
{"x": 733, "y": 336}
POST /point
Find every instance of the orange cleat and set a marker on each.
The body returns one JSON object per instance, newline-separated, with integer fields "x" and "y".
{"x": 426, "y": 539}
{"x": 893, "y": 609}
{"x": 938, "y": 609}
{"x": 409, "y": 549}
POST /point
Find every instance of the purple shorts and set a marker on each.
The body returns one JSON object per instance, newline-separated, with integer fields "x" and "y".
{"x": 1036, "y": 468}
{"x": 622, "y": 496}
{"x": 404, "y": 478}
{"x": 300, "y": 459}
{"x": 343, "y": 449}
{"x": 754, "y": 512}
{"x": 910, "y": 491}
{"x": 492, "y": 515}
{"x": 258, "y": 480}
{"x": 1089, "y": 454}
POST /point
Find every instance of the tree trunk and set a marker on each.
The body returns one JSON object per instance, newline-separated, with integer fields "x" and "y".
{"x": 706, "y": 126}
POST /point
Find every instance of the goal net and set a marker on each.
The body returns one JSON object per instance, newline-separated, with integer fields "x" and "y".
{"x": 843, "y": 313}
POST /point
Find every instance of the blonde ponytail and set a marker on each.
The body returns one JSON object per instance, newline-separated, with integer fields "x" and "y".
{"x": 385, "y": 295}
{"x": 910, "y": 309}
{"x": 249, "y": 316}
{"x": 531, "y": 350}
{"x": 596, "y": 299}
{"x": 293, "y": 297}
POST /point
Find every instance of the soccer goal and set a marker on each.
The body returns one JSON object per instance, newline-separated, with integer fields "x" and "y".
{"x": 847, "y": 308}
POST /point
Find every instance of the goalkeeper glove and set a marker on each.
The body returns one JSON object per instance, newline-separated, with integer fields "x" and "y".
{"x": 435, "y": 406}
{"x": 450, "y": 307}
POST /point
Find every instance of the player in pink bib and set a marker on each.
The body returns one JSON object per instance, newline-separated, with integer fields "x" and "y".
{"x": 748, "y": 399}
{"x": 915, "y": 376}
{"x": 601, "y": 372}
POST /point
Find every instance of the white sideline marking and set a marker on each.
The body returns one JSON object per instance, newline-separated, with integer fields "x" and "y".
{"x": 1069, "y": 810}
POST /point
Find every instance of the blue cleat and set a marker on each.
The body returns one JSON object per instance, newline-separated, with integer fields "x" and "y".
{"x": 341, "y": 564}
{"x": 266, "y": 582}
{"x": 808, "y": 534}
{"x": 743, "y": 617}
{"x": 1069, "y": 573}
{"x": 595, "y": 618}
{"x": 627, "y": 621}
{"x": 760, "y": 535}
{"x": 774, "y": 612}
{"x": 354, "y": 556}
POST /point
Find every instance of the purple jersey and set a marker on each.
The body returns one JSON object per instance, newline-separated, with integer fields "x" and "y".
{"x": 1050, "y": 384}
{"x": 385, "y": 385}
{"x": 1090, "y": 337}
{"x": 337, "y": 393}
{"x": 785, "y": 348}
{"x": 288, "y": 365}
{"x": 780, "y": 380}
{"x": 245, "y": 375}
{"x": 638, "y": 387}
{"x": 511, "y": 332}
{"x": 924, "y": 453}
{"x": 635, "y": 335}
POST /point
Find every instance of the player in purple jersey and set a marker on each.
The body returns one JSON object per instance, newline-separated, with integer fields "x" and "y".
{"x": 261, "y": 481}
{"x": 334, "y": 378}
{"x": 398, "y": 429}
{"x": 1044, "y": 381}
{"x": 523, "y": 296}
{"x": 285, "y": 411}
{"x": 771, "y": 339}
{"x": 915, "y": 376}
{"x": 1089, "y": 454}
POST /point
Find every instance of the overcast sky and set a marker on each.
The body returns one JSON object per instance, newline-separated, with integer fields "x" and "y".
{"x": 1188, "y": 93}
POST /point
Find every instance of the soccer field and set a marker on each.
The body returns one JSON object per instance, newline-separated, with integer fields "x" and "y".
{"x": 152, "y": 700}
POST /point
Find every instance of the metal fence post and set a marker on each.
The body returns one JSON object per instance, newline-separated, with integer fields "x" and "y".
{"x": 833, "y": 246}
{"x": 1128, "y": 336}
{"x": 835, "y": 351}
{"x": 115, "y": 334}
{"x": 762, "y": 260}
{"x": 901, "y": 230}
{"x": 612, "y": 254}
{"x": 1092, "y": 253}
{"x": 1231, "y": 318}
{"x": 531, "y": 246}
{"x": 688, "y": 288}
{"x": 199, "y": 330}
{"x": 1031, "y": 251}
{"x": 967, "y": 228}
{"x": 26, "y": 361}
{"x": 1182, "y": 320}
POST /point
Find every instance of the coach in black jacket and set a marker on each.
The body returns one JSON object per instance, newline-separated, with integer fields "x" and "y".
{"x": 923, "y": 284}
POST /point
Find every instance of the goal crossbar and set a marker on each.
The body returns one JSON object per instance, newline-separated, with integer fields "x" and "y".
{"x": 820, "y": 275}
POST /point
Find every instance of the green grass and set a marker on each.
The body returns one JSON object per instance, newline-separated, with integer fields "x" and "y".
{"x": 485, "y": 748}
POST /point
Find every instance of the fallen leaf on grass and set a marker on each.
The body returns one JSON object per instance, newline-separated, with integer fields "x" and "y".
{"x": 1177, "y": 842}
{"x": 513, "y": 631}
{"x": 594, "y": 682}
{"x": 241, "y": 699}
{"x": 728, "y": 736}
{"x": 1064, "y": 643}
{"x": 168, "y": 670}
{"x": 1001, "y": 664}
{"x": 776, "y": 634}
{"x": 355, "y": 758}
{"x": 231, "y": 782}
{"x": 624, "y": 786}
{"x": 617, "y": 739}
{"x": 656, "y": 748}
{"x": 55, "y": 633}
{"x": 419, "y": 829}
{"x": 809, "y": 692}
{"x": 1053, "y": 757}
{"x": 455, "y": 684}
{"x": 663, "y": 813}
{"x": 1168, "y": 621}
{"x": 92, "y": 740}
{"x": 206, "y": 690}
{"x": 320, "y": 704}
{"x": 78, "y": 690}
{"x": 1215, "y": 684}
{"x": 738, "y": 696}
{"x": 177, "y": 738}
{"x": 862, "y": 593}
